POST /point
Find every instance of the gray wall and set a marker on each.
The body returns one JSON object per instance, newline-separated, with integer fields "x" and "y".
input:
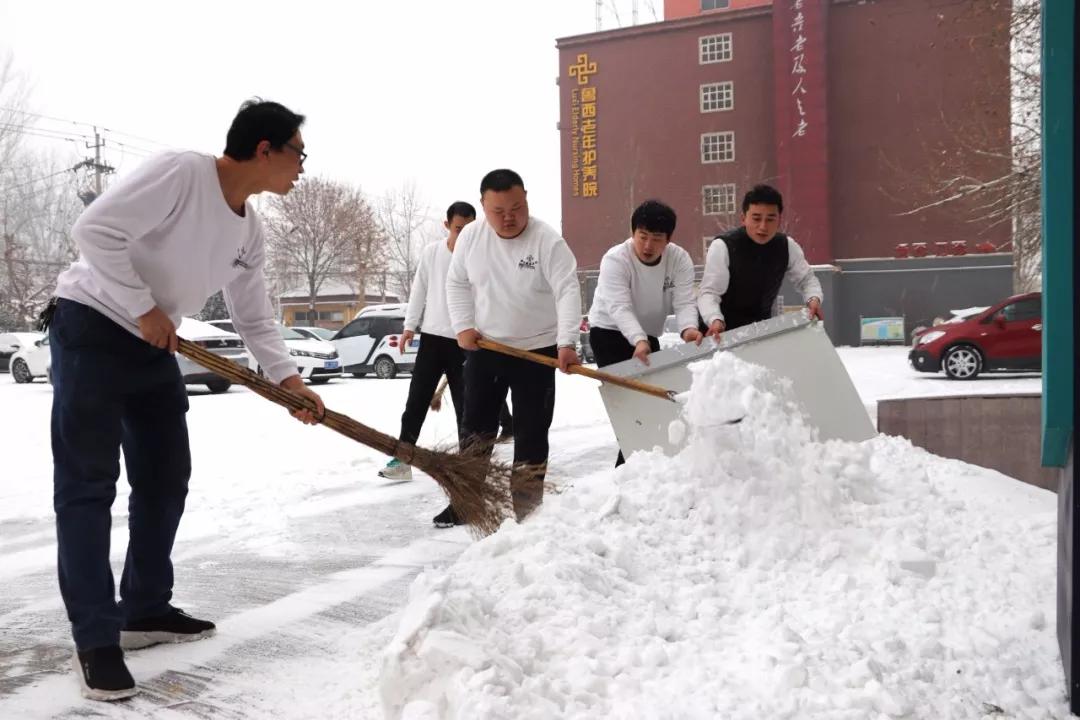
{"x": 1001, "y": 432}
{"x": 919, "y": 289}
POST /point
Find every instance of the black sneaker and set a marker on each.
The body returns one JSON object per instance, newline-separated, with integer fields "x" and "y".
{"x": 175, "y": 626}
{"x": 447, "y": 518}
{"x": 102, "y": 674}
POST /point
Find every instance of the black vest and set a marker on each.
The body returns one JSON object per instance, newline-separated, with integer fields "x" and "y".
{"x": 757, "y": 272}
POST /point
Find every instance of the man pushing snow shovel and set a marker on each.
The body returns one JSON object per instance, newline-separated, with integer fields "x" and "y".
{"x": 642, "y": 280}
{"x": 152, "y": 250}
{"x": 745, "y": 267}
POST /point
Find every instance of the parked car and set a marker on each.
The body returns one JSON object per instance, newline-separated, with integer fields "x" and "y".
{"x": 12, "y": 342}
{"x": 384, "y": 309}
{"x": 955, "y": 316}
{"x": 32, "y": 361}
{"x": 316, "y": 359}
{"x": 1004, "y": 337}
{"x": 584, "y": 342}
{"x": 372, "y": 343}
{"x": 315, "y": 333}
{"x": 218, "y": 341}
{"x": 225, "y": 325}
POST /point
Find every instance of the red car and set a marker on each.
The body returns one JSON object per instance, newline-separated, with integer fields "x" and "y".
{"x": 1004, "y": 337}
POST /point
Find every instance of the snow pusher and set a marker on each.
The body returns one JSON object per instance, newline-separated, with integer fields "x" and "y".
{"x": 790, "y": 345}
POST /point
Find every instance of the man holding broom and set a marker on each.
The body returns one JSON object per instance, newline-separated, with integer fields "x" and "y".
{"x": 513, "y": 279}
{"x": 152, "y": 250}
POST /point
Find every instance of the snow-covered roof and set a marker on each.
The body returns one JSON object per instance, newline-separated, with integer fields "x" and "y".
{"x": 331, "y": 288}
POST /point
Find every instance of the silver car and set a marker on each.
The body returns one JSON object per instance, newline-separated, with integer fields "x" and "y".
{"x": 218, "y": 341}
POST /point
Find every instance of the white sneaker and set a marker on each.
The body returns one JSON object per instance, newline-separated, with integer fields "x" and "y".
{"x": 396, "y": 470}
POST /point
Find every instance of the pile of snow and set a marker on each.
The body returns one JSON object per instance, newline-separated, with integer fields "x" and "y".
{"x": 757, "y": 574}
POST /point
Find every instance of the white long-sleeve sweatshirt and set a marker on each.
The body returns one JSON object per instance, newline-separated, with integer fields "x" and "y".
{"x": 165, "y": 236}
{"x": 717, "y": 276}
{"x": 521, "y": 292}
{"x": 635, "y": 298}
{"x": 427, "y": 298}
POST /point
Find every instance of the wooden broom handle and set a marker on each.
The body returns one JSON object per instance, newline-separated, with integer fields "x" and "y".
{"x": 600, "y": 375}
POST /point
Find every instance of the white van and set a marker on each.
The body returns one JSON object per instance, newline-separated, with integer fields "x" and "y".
{"x": 371, "y": 343}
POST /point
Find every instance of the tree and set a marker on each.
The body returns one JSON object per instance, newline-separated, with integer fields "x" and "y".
{"x": 407, "y": 226}
{"x": 214, "y": 309}
{"x": 14, "y": 95}
{"x": 323, "y": 230}
{"x": 1011, "y": 197}
{"x": 36, "y": 216}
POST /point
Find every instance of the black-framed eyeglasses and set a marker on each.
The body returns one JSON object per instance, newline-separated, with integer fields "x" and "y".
{"x": 299, "y": 152}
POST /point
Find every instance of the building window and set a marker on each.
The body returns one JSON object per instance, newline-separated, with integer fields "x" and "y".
{"x": 300, "y": 316}
{"x": 714, "y": 48}
{"x": 718, "y": 96}
{"x": 718, "y": 147}
{"x": 718, "y": 199}
{"x": 715, "y": 5}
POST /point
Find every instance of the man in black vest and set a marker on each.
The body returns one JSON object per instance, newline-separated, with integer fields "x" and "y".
{"x": 746, "y": 266}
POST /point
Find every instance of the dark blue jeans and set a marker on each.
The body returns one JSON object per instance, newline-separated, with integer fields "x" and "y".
{"x": 112, "y": 390}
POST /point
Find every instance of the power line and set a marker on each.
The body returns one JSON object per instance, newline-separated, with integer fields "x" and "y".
{"x": 44, "y": 132}
{"x": 141, "y": 138}
{"x": 35, "y": 180}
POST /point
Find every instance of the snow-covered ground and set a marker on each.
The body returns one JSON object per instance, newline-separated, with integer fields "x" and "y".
{"x": 786, "y": 579}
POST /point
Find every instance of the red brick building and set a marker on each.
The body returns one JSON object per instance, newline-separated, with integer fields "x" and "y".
{"x": 857, "y": 110}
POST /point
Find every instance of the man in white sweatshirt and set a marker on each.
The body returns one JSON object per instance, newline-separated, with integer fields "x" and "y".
{"x": 745, "y": 267}
{"x": 513, "y": 279}
{"x": 439, "y": 352}
{"x": 152, "y": 249}
{"x": 642, "y": 281}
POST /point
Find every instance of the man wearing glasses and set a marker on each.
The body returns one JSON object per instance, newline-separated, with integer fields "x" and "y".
{"x": 152, "y": 250}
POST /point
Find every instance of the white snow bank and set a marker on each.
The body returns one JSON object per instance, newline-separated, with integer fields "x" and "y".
{"x": 757, "y": 574}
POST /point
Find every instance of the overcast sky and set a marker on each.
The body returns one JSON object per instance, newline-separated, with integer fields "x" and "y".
{"x": 435, "y": 92}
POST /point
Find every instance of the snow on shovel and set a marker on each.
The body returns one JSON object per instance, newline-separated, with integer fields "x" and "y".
{"x": 477, "y": 486}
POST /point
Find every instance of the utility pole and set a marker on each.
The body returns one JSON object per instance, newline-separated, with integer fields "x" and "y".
{"x": 599, "y": 15}
{"x": 95, "y": 164}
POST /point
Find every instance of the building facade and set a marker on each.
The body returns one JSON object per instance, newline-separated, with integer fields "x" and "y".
{"x": 860, "y": 112}
{"x": 335, "y": 305}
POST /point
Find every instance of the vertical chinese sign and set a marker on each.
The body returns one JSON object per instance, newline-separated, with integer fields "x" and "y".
{"x": 584, "y": 179}
{"x": 801, "y": 132}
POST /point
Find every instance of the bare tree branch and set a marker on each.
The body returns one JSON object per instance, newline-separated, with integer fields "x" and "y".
{"x": 322, "y": 231}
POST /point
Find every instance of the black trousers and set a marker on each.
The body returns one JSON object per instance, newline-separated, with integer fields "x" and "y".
{"x": 610, "y": 347}
{"x": 112, "y": 390}
{"x": 488, "y": 377}
{"x": 437, "y": 356}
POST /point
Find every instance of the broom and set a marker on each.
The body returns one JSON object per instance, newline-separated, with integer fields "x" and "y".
{"x": 477, "y": 486}
{"x": 628, "y": 383}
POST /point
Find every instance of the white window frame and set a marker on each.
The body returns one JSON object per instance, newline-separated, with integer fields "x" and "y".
{"x": 706, "y": 241}
{"x": 718, "y": 147}
{"x": 724, "y": 196}
{"x": 715, "y": 48}
{"x": 717, "y": 97}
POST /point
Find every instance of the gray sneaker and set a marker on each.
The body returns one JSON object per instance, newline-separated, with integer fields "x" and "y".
{"x": 396, "y": 470}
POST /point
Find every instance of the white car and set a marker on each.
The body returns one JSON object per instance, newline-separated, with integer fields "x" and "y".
{"x": 31, "y": 362}
{"x": 315, "y": 333}
{"x": 316, "y": 360}
{"x": 12, "y": 342}
{"x": 371, "y": 342}
{"x": 220, "y": 342}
